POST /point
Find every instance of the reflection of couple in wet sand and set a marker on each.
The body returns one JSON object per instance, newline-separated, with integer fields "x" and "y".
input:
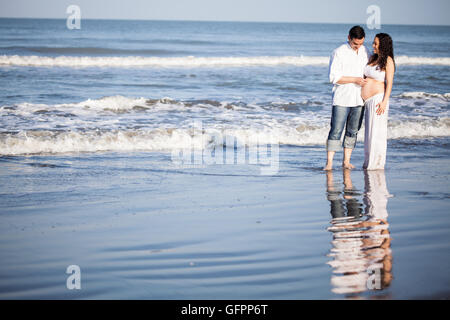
{"x": 362, "y": 87}
{"x": 361, "y": 254}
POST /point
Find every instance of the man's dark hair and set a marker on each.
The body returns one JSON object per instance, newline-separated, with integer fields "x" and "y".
{"x": 356, "y": 33}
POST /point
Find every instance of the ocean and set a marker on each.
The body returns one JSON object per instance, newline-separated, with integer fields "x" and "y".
{"x": 93, "y": 123}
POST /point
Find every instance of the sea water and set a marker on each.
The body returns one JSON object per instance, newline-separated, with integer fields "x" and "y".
{"x": 91, "y": 120}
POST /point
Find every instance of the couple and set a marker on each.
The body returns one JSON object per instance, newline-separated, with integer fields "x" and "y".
{"x": 361, "y": 81}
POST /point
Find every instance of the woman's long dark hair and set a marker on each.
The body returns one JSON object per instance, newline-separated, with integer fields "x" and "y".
{"x": 385, "y": 50}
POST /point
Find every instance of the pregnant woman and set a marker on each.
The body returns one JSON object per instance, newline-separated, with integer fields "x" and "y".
{"x": 379, "y": 73}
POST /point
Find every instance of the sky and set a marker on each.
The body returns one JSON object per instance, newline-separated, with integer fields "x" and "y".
{"x": 422, "y": 12}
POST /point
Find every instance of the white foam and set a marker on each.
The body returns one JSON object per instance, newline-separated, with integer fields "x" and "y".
{"x": 114, "y": 123}
{"x": 139, "y": 61}
{"x": 111, "y": 103}
{"x": 115, "y": 104}
{"x": 419, "y": 128}
{"x": 190, "y": 61}
{"x": 406, "y": 60}
{"x": 166, "y": 139}
{"x": 424, "y": 95}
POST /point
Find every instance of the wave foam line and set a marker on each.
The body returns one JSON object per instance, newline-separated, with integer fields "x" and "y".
{"x": 166, "y": 139}
{"x": 424, "y": 95}
{"x": 190, "y": 61}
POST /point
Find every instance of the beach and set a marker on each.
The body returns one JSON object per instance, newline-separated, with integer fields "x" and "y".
{"x": 168, "y": 167}
{"x": 155, "y": 231}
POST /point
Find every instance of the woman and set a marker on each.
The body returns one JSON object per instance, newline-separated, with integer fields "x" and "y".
{"x": 379, "y": 73}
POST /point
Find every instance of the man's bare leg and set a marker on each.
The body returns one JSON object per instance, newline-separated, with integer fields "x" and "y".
{"x": 346, "y": 162}
{"x": 330, "y": 156}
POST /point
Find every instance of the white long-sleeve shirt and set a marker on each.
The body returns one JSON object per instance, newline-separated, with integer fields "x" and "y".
{"x": 346, "y": 62}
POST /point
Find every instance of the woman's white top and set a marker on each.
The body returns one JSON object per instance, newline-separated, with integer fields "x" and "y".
{"x": 346, "y": 62}
{"x": 374, "y": 73}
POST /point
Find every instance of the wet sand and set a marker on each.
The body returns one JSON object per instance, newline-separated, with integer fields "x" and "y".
{"x": 139, "y": 227}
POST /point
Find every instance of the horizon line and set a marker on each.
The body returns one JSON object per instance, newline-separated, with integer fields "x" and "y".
{"x": 239, "y": 21}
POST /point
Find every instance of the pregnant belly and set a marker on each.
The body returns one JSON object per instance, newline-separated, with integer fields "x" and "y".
{"x": 372, "y": 88}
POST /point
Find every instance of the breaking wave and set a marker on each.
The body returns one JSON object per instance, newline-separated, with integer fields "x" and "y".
{"x": 118, "y": 123}
{"x": 189, "y": 61}
{"x": 167, "y": 139}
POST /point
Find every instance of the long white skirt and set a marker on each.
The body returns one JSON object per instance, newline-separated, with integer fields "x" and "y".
{"x": 375, "y": 134}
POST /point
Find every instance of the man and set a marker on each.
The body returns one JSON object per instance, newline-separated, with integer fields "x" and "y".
{"x": 346, "y": 72}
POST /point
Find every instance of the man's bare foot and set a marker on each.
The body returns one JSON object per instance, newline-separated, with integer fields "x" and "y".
{"x": 348, "y": 165}
{"x": 328, "y": 167}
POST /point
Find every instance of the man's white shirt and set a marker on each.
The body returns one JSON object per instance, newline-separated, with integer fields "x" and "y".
{"x": 346, "y": 62}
